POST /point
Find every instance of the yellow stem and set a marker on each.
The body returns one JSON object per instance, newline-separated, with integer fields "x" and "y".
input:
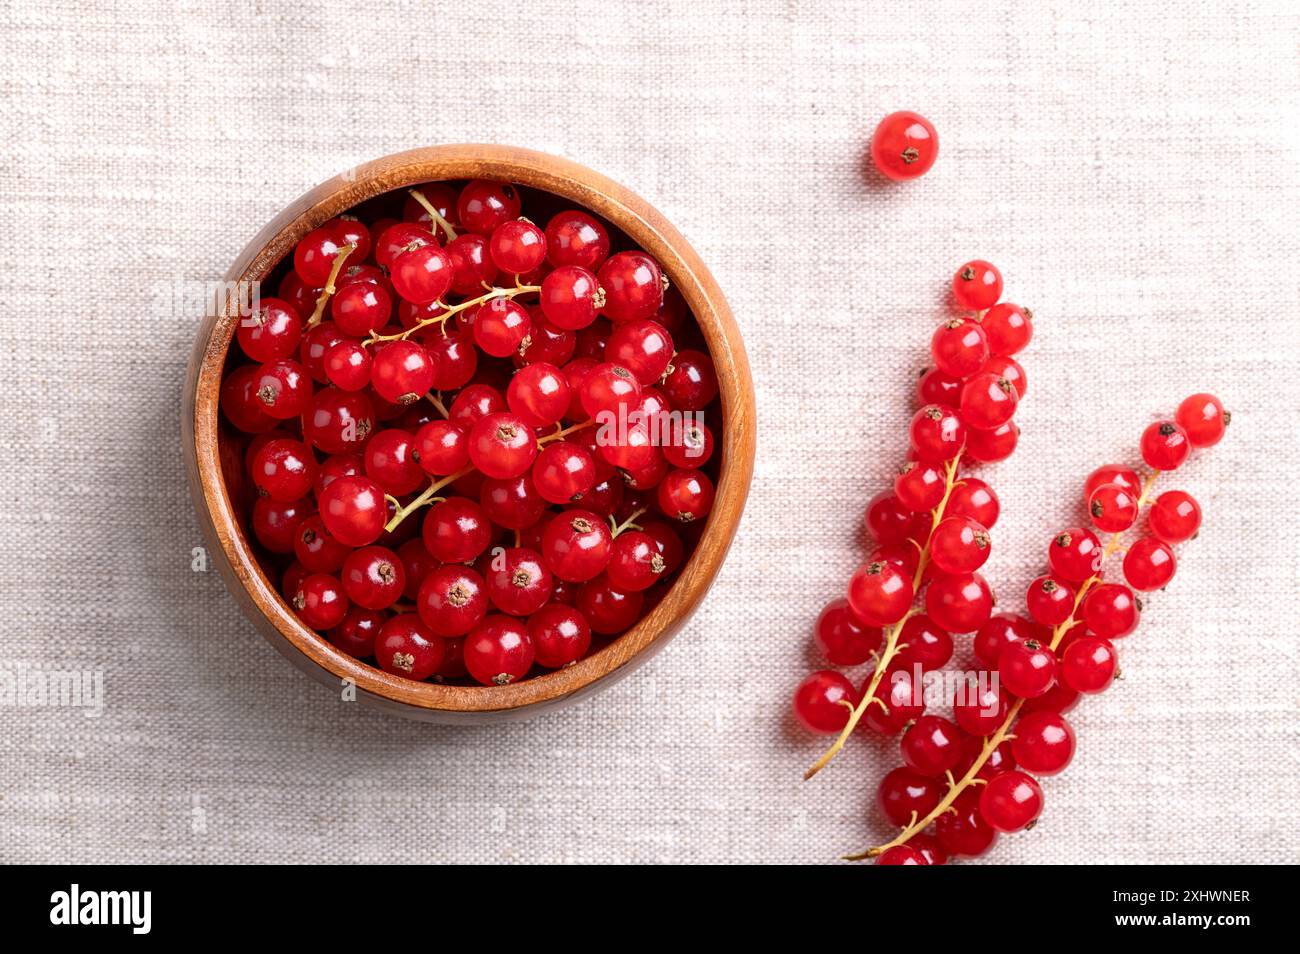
{"x": 436, "y": 401}
{"x": 427, "y": 497}
{"x": 434, "y": 214}
{"x": 564, "y": 432}
{"x": 617, "y": 528}
{"x": 323, "y": 298}
{"x": 450, "y": 310}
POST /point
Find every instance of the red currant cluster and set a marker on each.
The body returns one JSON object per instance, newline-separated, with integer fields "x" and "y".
{"x": 391, "y": 374}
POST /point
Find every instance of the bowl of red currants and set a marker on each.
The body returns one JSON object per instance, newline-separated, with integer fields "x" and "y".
{"x": 470, "y": 432}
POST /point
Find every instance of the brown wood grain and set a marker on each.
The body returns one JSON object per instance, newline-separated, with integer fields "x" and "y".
{"x": 232, "y": 552}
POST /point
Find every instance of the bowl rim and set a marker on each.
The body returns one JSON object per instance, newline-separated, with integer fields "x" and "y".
{"x": 590, "y": 190}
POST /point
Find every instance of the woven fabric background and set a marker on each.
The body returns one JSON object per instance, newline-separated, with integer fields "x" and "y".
{"x": 1135, "y": 173}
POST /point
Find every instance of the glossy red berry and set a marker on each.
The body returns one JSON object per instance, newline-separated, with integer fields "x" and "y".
{"x": 563, "y": 472}
{"x": 928, "y": 847}
{"x": 932, "y": 746}
{"x": 456, "y": 530}
{"x": 539, "y": 394}
{"x": 1117, "y": 474}
{"x": 354, "y": 510}
{"x": 923, "y": 643}
{"x": 1174, "y": 517}
{"x": 499, "y": 651}
{"x": 977, "y": 285}
{"x": 511, "y": 502}
{"x": 888, "y": 521}
{"x": 633, "y": 284}
{"x": 239, "y": 402}
{"x": 390, "y": 461}
{"x": 373, "y": 577}
{"x": 271, "y": 331}
{"x": 1089, "y": 665}
{"x": 1027, "y": 668}
{"x": 979, "y": 709}
{"x": 999, "y": 633}
{"x": 518, "y": 582}
{"x": 959, "y": 545}
{"x": 906, "y": 795}
{"x": 686, "y": 495}
{"x": 959, "y": 347}
{"x": 1011, "y": 802}
{"x": 938, "y": 433}
{"x": 1008, "y": 369}
{"x": 570, "y": 297}
{"x": 960, "y": 603}
{"x": 823, "y": 701}
{"x": 275, "y": 523}
{"x": 965, "y": 830}
{"x": 421, "y": 273}
{"x": 1113, "y": 508}
{"x": 316, "y": 549}
{"x": 483, "y": 205}
{"x": 575, "y": 238}
{"x": 635, "y": 563}
{"x": 314, "y": 255}
{"x": 284, "y": 469}
{"x": 689, "y": 445}
{"x": 560, "y": 635}
{"x": 935, "y": 387}
{"x": 1008, "y": 328}
{"x": 988, "y": 401}
{"x": 991, "y": 446}
{"x": 691, "y": 381}
{"x": 402, "y": 371}
{"x": 442, "y": 448}
{"x": 973, "y": 498}
{"x": 406, "y": 647}
{"x": 919, "y": 486}
{"x": 1043, "y": 743}
{"x": 356, "y": 634}
{"x": 576, "y": 545}
{"x": 475, "y": 403}
{"x": 842, "y": 638}
{"x": 320, "y": 601}
{"x": 642, "y": 346}
{"x": 1050, "y": 600}
{"x": 360, "y": 308}
{"x": 1149, "y": 564}
{"x": 899, "y": 701}
{"x": 347, "y": 365}
{"x": 502, "y": 445}
{"x": 608, "y": 609}
{"x": 901, "y": 855}
{"x": 1203, "y": 419}
{"x": 452, "y": 600}
{"x": 608, "y": 388}
{"x": 1074, "y": 554}
{"x": 1165, "y": 445}
{"x": 472, "y": 266}
{"x": 904, "y": 145}
{"x": 501, "y": 326}
{"x": 1111, "y": 610}
{"x": 282, "y": 388}
{"x": 880, "y": 594}
{"x": 518, "y": 246}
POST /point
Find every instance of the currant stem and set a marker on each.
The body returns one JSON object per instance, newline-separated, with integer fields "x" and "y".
{"x": 429, "y": 494}
{"x": 891, "y": 633}
{"x": 565, "y": 432}
{"x": 455, "y": 309}
{"x": 436, "y": 400}
{"x": 1003, "y": 731}
{"x": 617, "y": 528}
{"x": 438, "y": 220}
{"x": 323, "y": 298}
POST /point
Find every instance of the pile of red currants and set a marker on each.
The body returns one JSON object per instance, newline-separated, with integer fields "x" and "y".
{"x": 476, "y": 445}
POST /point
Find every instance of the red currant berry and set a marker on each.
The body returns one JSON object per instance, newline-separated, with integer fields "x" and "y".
{"x": 880, "y": 594}
{"x": 965, "y": 831}
{"x": 283, "y": 388}
{"x": 1011, "y": 802}
{"x": 906, "y": 796}
{"x": 240, "y": 404}
{"x": 919, "y": 486}
{"x": 501, "y": 326}
{"x": 456, "y": 530}
{"x": 1149, "y": 564}
{"x": 1027, "y": 668}
{"x": 929, "y": 849}
{"x": 442, "y": 448}
{"x": 271, "y": 331}
{"x": 959, "y": 604}
{"x": 608, "y": 609}
{"x": 354, "y": 510}
{"x": 959, "y": 347}
{"x": 373, "y": 577}
{"x": 935, "y": 387}
{"x": 901, "y": 855}
{"x": 1010, "y": 370}
{"x": 904, "y": 146}
{"x": 483, "y": 205}
{"x": 539, "y": 394}
{"x": 300, "y": 296}
{"x": 1089, "y": 664}
{"x": 922, "y": 643}
{"x": 577, "y": 545}
{"x": 1050, "y": 600}
{"x": 317, "y": 551}
{"x": 356, "y": 634}
{"x": 1043, "y": 743}
{"x": 347, "y": 365}
{"x": 823, "y": 701}
{"x": 999, "y": 633}
{"x": 979, "y": 710}
{"x": 338, "y": 465}
{"x": 471, "y": 264}
{"x": 320, "y": 601}
{"x": 686, "y": 495}
{"x": 1110, "y": 610}
{"x": 502, "y": 445}
{"x": 475, "y": 403}
{"x": 670, "y": 545}
{"x": 1008, "y": 328}
{"x": 560, "y": 635}
{"x": 959, "y": 545}
{"x": 405, "y": 647}
{"x": 564, "y": 472}
{"x": 575, "y": 238}
{"x": 1118, "y": 474}
{"x": 899, "y": 701}
{"x": 1112, "y": 508}
{"x": 634, "y": 286}
{"x": 511, "y": 502}
{"x": 644, "y": 347}
{"x": 691, "y": 381}
{"x": 284, "y": 469}
{"x": 316, "y": 343}
{"x": 932, "y": 746}
{"x": 887, "y": 520}
{"x": 1059, "y": 699}
{"x": 1203, "y": 418}
{"x": 1165, "y": 446}
{"x": 570, "y": 297}
{"x": 991, "y": 446}
{"x": 988, "y": 401}
{"x": 499, "y": 651}
{"x": 275, "y": 523}
{"x": 402, "y": 371}
{"x": 313, "y": 257}
{"x": 1075, "y": 554}
{"x": 421, "y": 273}
{"x": 1174, "y": 517}
{"x": 938, "y": 433}
{"x": 418, "y": 562}
{"x": 999, "y": 760}
{"x": 843, "y": 638}
{"x": 546, "y": 344}
{"x": 391, "y": 461}
{"x": 518, "y": 246}
{"x": 977, "y": 285}
{"x": 973, "y": 498}
{"x": 607, "y": 388}
{"x": 518, "y": 583}
{"x": 360, "y": 308}
{"x": 635, "y": 563}
{"x": 452, "y": 600}
{"x": 394, "y": 239}
{"x": 690, "y": 445}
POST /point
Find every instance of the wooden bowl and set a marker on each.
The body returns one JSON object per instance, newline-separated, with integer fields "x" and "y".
{"x": 205, "y": 446}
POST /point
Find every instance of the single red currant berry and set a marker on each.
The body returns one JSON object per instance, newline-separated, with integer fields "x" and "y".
{"x": 421, "y": 273}
{"x": 313, "y": 257}
{"x": 607, "y": 388}
{"x": 347, "y": 365}
{"x": 360, "y": 308}
{"x": 686, "y": 495}
{"x": 960, "y": 603}
{"x": 691, "y": 381}
{"x": 502, "y": 445}
{"x": 905, "y": 795}
{"x": 405, "y": 647}
{"x": 1149, "y": 564}
{"x": 275, "y": 523}
{"x": 919, "y": 486}
{"x": 1089, "y": 664}
{"x": 394, "y": 239}
{"x": 1043, "y": 743}
{"x": 271, "y": 331}
{"x": 608, "y": 609}
{"x": 1118, "y": 474}
{"x": 418, "y": 562}
{"x": 1075, "y": 554}
{"x": 282, "y": 388}
{"x": 899, "y": 701}
{"x": 979, "y": 708}
{"x": 442, "y": 448}
{"x": 965, "y": 830}
{"x": 991, "y": 446}
{"x": 904, "y": 146}
{"x": 1008, "y": 328}
{"x": 1008, "y": 369}
{"x": 1059, "y": 699}
{"x": 354, "y": 510}
{"x": 575, "y": 238}
{"x": 518, "y": 246}
{"x": 935, "y": 387}
{"x": 999, "y": 633}
{"x": 356, "y": 634}
{"x": 938, "y": 433}
{"x": 284, "y": 469}
{"x": 635, "y": 563}
{"x": 959, "y": 545}
{"x": 888, "y": 521}
{"x": 823, "y": 701}
{"x": 1011, "y": 802}
{"x": 880, "y": 594}
{"x": 501, "y": 327}
{"x": 924, "y": 644}
{"x": 518, "y": 583}
{"x": 456, "y": 530}
{"x": 452, "y": 600}
{"x": 471, "y": 264}
{"x": 577, "y": 545}
{"x": 511, "y": 502}
{"x": 901, "y": 855}
{"x": 1027, "y": 668}
{"x": 644, "y": 347}
{"x": 483, "y": 205}
{"x": 959, "y": 347}
{"x": 1111, "y": 610}
{"x": 689, "y": 445}
{"x": 1165, "y": 446}
{"x": 1112, "y": 508}
{"x": 634, "y": 286}
{"x": 843, "y": 638}
{"x": 316, "y": 343}
{"x": 317, "y": 551}
{"x": 570, "y": 297}
{"x": 932, "y": 746}
{"x": 320, "y": 601}
{"x": 929, "y": 849}
{"x": 475, "y": 403}
{"x": 1203, "y": 418}
{"x": 338, "y": 465}
{"x": 499, "y": 651}
{"x": 240, "y": 404}
{"x": 1174, "y": 517}
{"x": 1050, "y": 600}
{"x": 402, "y": 371}
{"x": 391, "y": 461}
{"x": 546, "y": 344}
{"x": 973, "y": 498}
{"x": 560, "y": 635}
{"x": 564, "y": 472}
{"x": 373, "y": 577}
{"x": 988, "y": 401}
{"x": 539, "y": 394}
{"x": 349, "y": 231}
{"x": 977, "y": 285}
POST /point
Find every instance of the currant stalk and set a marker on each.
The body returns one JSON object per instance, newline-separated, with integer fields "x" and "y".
{"x": 452, "y": 310}
{"x": 328, "y": 291}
